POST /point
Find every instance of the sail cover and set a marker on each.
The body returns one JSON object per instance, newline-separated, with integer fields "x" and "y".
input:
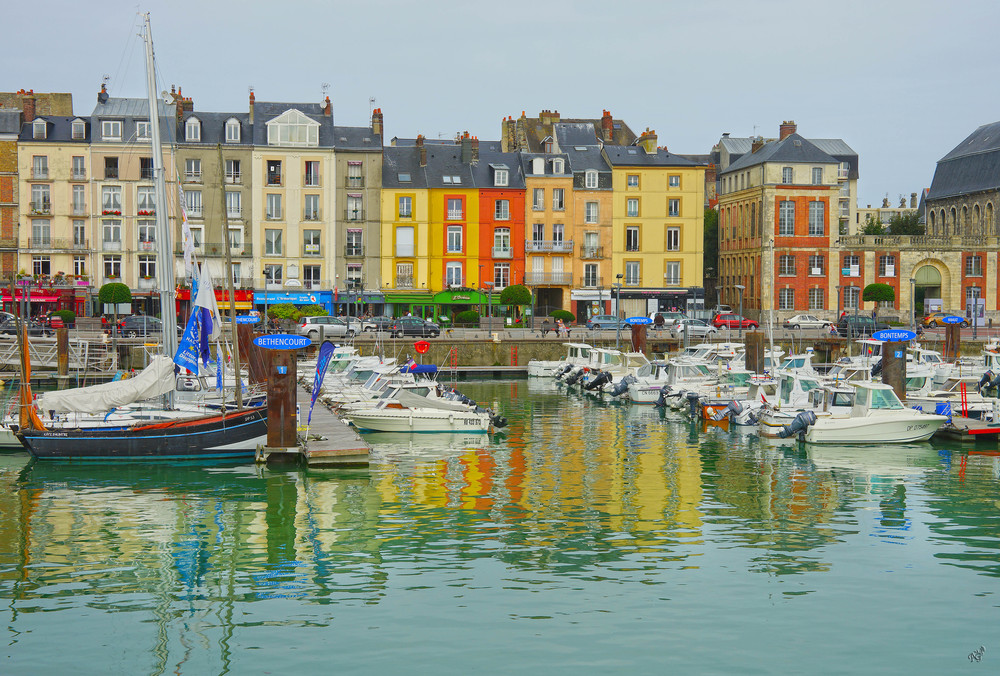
{"x": 154, "y": 380}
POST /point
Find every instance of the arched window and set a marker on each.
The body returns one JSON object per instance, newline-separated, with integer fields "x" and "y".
{"x": 943, "y": 225}
{"x": 932, "y": 227}
{"x": 232, "y": 130}
{"x": 976, "y": 223}
{"x": 192, "y": 129}
{"x": 954, "y": 221}
{"x": 965, "y": 221}
{"x": 989, "y": 227}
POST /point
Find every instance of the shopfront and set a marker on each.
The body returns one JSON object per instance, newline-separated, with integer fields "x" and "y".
{"x": 354, "y": 304}
{"x": 244, "y": 299}
{"x": 264, "y": 300}
{"x": 417, "y": 303}
{"x": 449, "y": 303}
{"x": 39, "y": 301}
{"x": 635, "y": 302}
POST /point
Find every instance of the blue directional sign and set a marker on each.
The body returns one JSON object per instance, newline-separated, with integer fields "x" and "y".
{"x": 282, "y": 341}
{"x": 247, "y": 319}
{"x": 894, "y": 335}
{"x": 952, "y": 319}
{"x": 638, "y": 320}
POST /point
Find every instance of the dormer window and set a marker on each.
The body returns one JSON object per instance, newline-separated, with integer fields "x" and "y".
{"x": 537, "y": 166}
{"x": 79, "y": 130}
{"x": 557, "y": 166}
{"x": 547, "y": 145}
{"x": 142, "y": 131}
{"x": 500, "y": 175}
{"x": 293, "y": 128}
{"x": 232, "y": 130}
{"x": 38, "y": 128}
{"x": 590, "y": 179}
{"x": 192, "y": 129}
{"x": 111, "y": 130}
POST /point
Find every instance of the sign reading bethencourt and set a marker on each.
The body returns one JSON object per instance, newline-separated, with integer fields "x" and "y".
{"x": 282, "y": 341}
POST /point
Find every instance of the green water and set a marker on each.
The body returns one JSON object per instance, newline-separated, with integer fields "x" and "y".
{"x": 590, "y": 538}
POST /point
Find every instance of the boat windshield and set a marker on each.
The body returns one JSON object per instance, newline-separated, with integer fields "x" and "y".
{"x": 843, "y": 399}
{"x": 885, "y": 399}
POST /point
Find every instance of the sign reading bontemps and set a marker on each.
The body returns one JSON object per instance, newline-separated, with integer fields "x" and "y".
{"x": 894, "y": 335}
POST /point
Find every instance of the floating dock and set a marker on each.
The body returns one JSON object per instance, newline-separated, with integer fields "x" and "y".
{"x": 969, "y": 430}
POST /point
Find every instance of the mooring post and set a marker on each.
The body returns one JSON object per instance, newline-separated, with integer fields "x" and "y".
{"x": 281, "y": 415}
{"x": 894, "y": 367}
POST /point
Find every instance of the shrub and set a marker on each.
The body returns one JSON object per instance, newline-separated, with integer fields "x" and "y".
{"x": 565, "y": 315}
{"x": 284, "y": 311}
{"x": 313, "y": 311}
{"x": 115, "y": 293}
{"x": 467, "y": 318}
{"x": 68, "y": 316}
{"x": 515, "y": 294}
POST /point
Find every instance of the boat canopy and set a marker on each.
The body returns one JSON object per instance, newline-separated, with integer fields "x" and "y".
{"x": 152, "y": 381}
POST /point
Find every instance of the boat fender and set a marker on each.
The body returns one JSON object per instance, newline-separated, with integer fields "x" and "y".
{"x": 985, "y": 380}
{"x": 799, "y": 425}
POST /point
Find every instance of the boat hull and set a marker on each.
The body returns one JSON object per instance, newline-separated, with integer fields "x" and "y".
{"x": 233, "y": 435}
{"x": 406, "y": 420}
{"x": 919, "y": 427}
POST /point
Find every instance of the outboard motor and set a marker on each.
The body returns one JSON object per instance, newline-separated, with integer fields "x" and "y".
{"x": 575, "y": 377}
{"x": 600, "y": 380}
{"x": 692, "y": 399}
{"x": 565, "y": 369}
{"x": 985, "y": 380}
{"x": 799, "y": 425}
{"x": 622, "y": 386}
{"x": 661, "y": 401}
{"x": 497, "y": 420}
{"x": 877, "y": 368}
{"x": 733, "y": 408}
{"x": 995, "y": 382}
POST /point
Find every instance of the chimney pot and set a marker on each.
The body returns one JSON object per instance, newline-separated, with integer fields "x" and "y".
{"x": 787, "y": 128}
{"x": 28, "y": 107}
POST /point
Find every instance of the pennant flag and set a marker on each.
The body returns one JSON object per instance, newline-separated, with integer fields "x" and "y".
{"x": 322, "y": 362}
{"x": 209, "y": 310}
{"x": 187, "y": 238}
{"x": 218, "y": 367}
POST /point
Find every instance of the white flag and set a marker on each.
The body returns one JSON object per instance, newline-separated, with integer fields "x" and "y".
{"x": 188, "y": 239}
{"x": 206, "y": 299}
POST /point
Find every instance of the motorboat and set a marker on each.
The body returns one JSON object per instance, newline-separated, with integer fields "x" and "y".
{"x": 405, "y": 410}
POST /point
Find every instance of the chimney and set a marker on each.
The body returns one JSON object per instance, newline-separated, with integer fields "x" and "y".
{"x": 102, "y": 96}
{"x": 475, "y": 148}
{"x": 757, "y": 144}
{"x": 544, "y": 117}
{"x": 422, "y": 150}
{"x": 466, "y": 148}
{"x": 377, "y": 122}
{"x": 786, "y": 129}
{"x": 648, "y": 141}
{"x": 607, "y": 126}
{"x": 28, "y": 106}
{"x": 251, "y": 106}
{"x": 913, "y": 200}
{"x": 328, "y": 108}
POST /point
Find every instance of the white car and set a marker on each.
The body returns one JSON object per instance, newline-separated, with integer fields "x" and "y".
{"x": 806, "y": 322}
{"x": 694, "y": 327}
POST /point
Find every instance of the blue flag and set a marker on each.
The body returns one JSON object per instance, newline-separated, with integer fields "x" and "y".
{"x": 187, "y": 347}
{"x": 322, "y": 363}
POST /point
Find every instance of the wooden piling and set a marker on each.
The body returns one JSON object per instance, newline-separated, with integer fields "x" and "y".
{"x": 894, "y": 367}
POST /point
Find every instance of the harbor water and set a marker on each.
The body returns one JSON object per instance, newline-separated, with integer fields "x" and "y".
{"x": 589, "y": 537}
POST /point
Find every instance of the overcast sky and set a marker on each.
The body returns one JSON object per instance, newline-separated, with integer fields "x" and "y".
{"x": 902, "y": 82}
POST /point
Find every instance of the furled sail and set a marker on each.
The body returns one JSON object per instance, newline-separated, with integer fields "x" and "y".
{"x": 152, "y": 381}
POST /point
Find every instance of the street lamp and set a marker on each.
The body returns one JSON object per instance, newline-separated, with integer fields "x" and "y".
{"x": 740, "y": 287}
{"x": 913, "y": 304}
{"x": 618, "y": 310}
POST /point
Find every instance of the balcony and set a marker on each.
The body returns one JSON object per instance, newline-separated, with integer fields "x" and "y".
{"x": 41, "y": 207}
{"x": 233, "y": 178}
{"x": 79, "y": 209}
{"x": 274, "y": 179}
{"x": 311, "y": 250}
{"x": 311, "y": 215}
{"x": 503, "y": 252}
{"x": 354, "y": 251}
{"x": 454, "y": 215}
{"x": 549, "y": 246}
{"x": 51, "y": 243}
{"x": 147, "y": 283}
{"x": 591, "y": 282}
{"x": 111, "y": 245}
{"x": 355, "y": 182}
{"x": 40, "y": 174}
{"x": 540, "y": 278}
{"x": 404, "y": 281}
{"x": 110, "y": 172}
{"x": 591, "y": 253}
{"x": 192, "y": 177}
{"x": 273, "y": 216}
{"x": 234, "y": 212}
{"x": 219, "y": 249}
{"x": 143, "y": 245}
{"x": 354, "y": 215}
{"x": 146, "y": 174}
{"x": 79, "y": 175}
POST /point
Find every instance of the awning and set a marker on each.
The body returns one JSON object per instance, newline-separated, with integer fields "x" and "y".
{"x": 33, "y": 297}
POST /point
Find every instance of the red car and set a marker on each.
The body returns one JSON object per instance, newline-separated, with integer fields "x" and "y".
{"x": 734, "y": 322}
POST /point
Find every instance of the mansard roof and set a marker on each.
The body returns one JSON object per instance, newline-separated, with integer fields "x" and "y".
{"x": 971, "y": 166}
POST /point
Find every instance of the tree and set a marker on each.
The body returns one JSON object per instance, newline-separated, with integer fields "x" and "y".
{"x": 284, "y": 311}
{"x": 515, "y": 294}
{"x": 878, "y": 293}
{"x": 906, "y": 224}
{"x": 873, "y": 226}
{"x": 114, "y": 293}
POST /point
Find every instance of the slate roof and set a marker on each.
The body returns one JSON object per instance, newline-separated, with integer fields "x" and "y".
{"x": 402, "y": 159}
{"x": 213, "y": 127}
{"x": 574, "y": 134}
{"x": 447, "y": 161}
{"x": 792, "y": 148}
{"x": 356, "y": 138}
{"x": 526, "y": 160}
{"x": 130, "y": 111}
{"x": 971, "y": 166}
{"x": 10, "y": 121}
{"x": 265, "y": 111}
{"x": 58, "y": 129}
{"x": 536, "y": 132}
{"x": 635, "y": 156}
{"x": 483, "y": 171}
{"x": 738, "y": 147}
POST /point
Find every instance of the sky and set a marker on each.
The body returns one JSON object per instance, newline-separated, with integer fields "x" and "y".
{"x": 902, "y": 82}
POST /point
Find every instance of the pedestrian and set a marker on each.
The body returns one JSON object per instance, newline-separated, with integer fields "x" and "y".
{"x": 560, "y": 328}
{"x": 545, "y": 327}
{"x": 658, "y": 321}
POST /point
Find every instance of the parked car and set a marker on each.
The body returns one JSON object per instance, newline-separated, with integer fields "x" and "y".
{"x": 605, "y": 322}
{"x": 8, "y": 326}
{"x": 937, "y": 319}
{"x": 414, "y": 326}
{"x": 693, "y": 327}
{"x": 731, "y": 321}
{"x": 806, "y": 322}
{"x": 380, "y": 323}
{"x": 857, "y": 326}
{"x": 140, "y": 326}
{"x": 722, "y": 310}
{"x": 327, "y": 327}
{"x": 668, "y": 318}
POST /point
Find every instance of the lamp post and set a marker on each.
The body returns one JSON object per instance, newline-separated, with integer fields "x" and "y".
{"x": 913, "y": 304}
{"x": 740, "y": 287}
{"x": 618, "y": 310}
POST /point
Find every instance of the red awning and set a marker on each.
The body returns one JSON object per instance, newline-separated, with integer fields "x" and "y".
{"x": 34, "y": 297}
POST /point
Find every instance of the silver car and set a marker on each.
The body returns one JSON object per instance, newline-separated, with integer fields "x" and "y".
{"x": 326, "y": 327}
{"x": 694, "y": 327}
{"x": 806, "y": 322}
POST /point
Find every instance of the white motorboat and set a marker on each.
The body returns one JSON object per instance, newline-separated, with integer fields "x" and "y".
{"x": 404, "y": 410}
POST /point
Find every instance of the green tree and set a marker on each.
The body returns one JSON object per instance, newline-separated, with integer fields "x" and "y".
{"x": 878, "y": 293}
{"x": 115, "y": 293}
{"x": 873, "y": 226}
{"x": 284, "y": 311}
{"x": 312, "y": 311}
{"x": 515, "y": 294}
{"x": 711, "y": 242}
{"x": 906, "y": 224}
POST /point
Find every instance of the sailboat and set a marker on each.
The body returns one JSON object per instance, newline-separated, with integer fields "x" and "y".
{"x": 227, "y": 434}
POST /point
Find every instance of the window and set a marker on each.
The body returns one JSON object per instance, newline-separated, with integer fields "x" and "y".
{"x": 110, "y": 167}
{"x": 786, "y": 174}
{"x": 557, "y": 236}
{"x": 192, "y": 170}
{"x": 817, "y": 299}
{"x": 79, "y": 168}
{"x": 40, "y": 201}
{"x": 237, "y": 275}
{"x": 293, "y": 129}
{"x": 404, "y": 241}
{"x": 454, "y": 239}
{"x": 632, "y": 238}
{"x": 355, "y": 212}
{"x": 675, "y": 181}
{"x": 501, "y": 210}
{"x": 40, "y": 167}
{"x": 79, "y": 265}
{"x": 146, "y": 231}
{"x": 501, "y": 241}
{"x": 673, "y": 239}
{"x": 147, "y": 266}
{"x": 557, "y": 166}
{"x": 786, "y": 218}
{"x": 455, "y": 209}
{"x": 312, "y": 173}
{"x": 354, "y": 276}
{"x": 273, "y": 207}
{"x": 192, "y": 129}
{"x": 403, "y": 177}
{"x": 113, "y": 266}
{"x": 112, "y": 234}
{"x": 632, "y": 207}
{"x": 500, "y": 177}
{"x": 405, "y": 206}
{"x": 853, "y": 265}
{"x": 311, "y": 208}
{"x": 453, "y": 273}
{"x": 404, "y": 275}
{"x": 887, "y": 266}
{"x": 632, "y": 181}
{"x": 673, "y": 207}
{"x": 538, "y": 199}
{"x": 79, "y": 234}
{"x": 272, "y": 242}
{"x": 817, "y": 175}
{"x": 590, "y": 276}
{"x": 272, "y": 274}
{"x": 786, "y": 299}
{"x": 354, "y": 178}
{"x": 234, "y": 207}
{"x": 111, "y": 130}
{"x": 816, "y": 265}
{"x": 558, "y": 199}
{"x": 817, "y": 217}
{"x": 111, "y": 199}
{"x": 192, "y": 199}
{"x": 632, "y": 273}
{"x": 41, "y": 265}
{"x": 274, "y": 172}
{"x": 232, "y": 171}
{"x": 232, "y": 130}
{"x": 538, "y": 233}
{"x": 196, "y": 236}
{"x": 786, "y": 265}
{"x": 145, "y": 200}
{"x": 501, "y": 275}
{"x": 310, "y": 243}
{"x": 355, "y": 244}
{"x": 146, "y": 168}
{"x": 672, "y": 273}
{"x": 41, "y": 233}
{"x": 143, "y": 130}
{"x": 311, "y": 276}
{"x": 973, "y": 266}
{"x": 79, "y": 130}
{"x": 590, "y": 179}
{"x": 590, "y": 212}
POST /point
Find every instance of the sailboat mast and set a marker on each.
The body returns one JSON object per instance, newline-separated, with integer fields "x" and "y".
{"x": 164, "y": 249}
{"x": 227, "y": 245}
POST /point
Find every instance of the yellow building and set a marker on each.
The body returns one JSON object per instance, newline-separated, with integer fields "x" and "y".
{"x": 657, "y": 226}
{"x": 405, "y": 236}
{"x": 551, "y": 235}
